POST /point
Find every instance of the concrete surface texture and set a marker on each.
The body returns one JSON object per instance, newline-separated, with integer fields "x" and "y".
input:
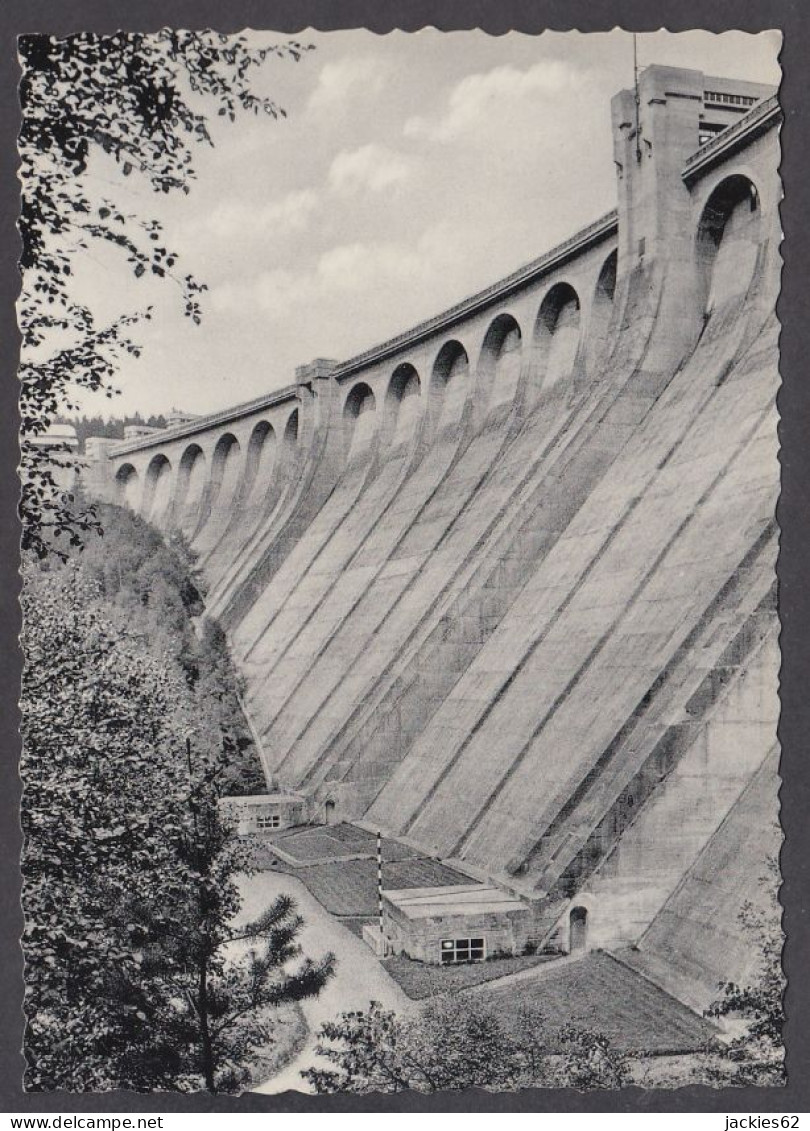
{"x": 503, "y": 587}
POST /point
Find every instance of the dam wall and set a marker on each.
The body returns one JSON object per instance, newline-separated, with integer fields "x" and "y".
{"x": 503, "y": 586}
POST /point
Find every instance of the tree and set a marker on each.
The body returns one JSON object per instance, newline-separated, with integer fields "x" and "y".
{"x": 756, "y": 1056}
{"x": 103, "y": 804}
{"x": 460, "y": 1042}
{"x": 217, "y": 1012}
{"x": 141, "y": 100}
{"x": 129, "y": 875}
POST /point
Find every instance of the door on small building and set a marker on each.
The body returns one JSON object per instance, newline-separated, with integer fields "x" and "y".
{"x": 578, "y": 930}
{"x": 329, "y": 811}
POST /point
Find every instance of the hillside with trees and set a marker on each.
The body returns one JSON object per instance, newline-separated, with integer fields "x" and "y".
{"x": 132, "y": 731}
{"x": 141, "y": 105}
{"x": 110, "y": 427}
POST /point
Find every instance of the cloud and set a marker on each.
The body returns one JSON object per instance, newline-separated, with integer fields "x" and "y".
{"x": 348, "y": 269}
{"x": 494, "y": 97}
{"x": 367, "y": 267}
{"x": 290, "y": 213}
{"x": 402, "y": 280}
{"x": 340, "y": 81}
{"x": 370, "y": 167}
{"x": 277, "y": 293}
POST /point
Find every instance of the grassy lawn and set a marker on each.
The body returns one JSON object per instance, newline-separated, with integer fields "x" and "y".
{"x": 421, "y": 979}
{"x": 599, "y": 993}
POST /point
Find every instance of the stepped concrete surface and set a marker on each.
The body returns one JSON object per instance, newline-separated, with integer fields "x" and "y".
{"x": 503, "y": 586}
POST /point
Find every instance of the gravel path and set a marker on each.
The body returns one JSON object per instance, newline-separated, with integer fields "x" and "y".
{"x": 359, "y": 979}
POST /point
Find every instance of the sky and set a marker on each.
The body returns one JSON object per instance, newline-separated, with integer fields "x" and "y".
{"x": 411, "y": 170}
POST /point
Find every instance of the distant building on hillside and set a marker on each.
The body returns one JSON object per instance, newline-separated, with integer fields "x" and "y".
{"x": 62, "y": 440}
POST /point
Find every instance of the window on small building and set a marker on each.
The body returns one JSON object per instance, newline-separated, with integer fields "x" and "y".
{"x": 709, "y": 130}
{"x": 268, "y": 821}
{"x": 462, "y": 950}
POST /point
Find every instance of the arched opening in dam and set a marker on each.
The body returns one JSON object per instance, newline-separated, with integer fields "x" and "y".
{"x": 500, "y": 363}
{"x": 556, "y": 335}
{"x": 290, "y": 438}
{"x": 359, "y": 422}
{"x": 728, "y": 242}
{"x": 449, "y": 386}
{"x": 601, "y": 311}
{"x": 402, "y": 405}
{"x": 127, "y": 483}
{"x": 578, "y": 930}
{"x": 190, "y": 488}
{"x": 157, "y": 489}
{"x": 259, "y": 461}
{"x": 226, "y": 468}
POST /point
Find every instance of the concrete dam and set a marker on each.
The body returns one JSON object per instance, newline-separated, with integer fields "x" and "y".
{"x": 503, "y": 587}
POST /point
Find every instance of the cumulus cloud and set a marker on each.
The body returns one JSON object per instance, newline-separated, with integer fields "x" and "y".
{"x": 404, "y": 281}
{"x": 277, "y": 292}
{"x": 495, "y": 97}
{"x": 364, "y": 267}
{"x": 340, "y": 81}
{"x": 370, "y": 167}
{"x": 231, "y": 218}
{"x": 354, "y": 269}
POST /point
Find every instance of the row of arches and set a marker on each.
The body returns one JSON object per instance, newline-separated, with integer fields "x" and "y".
{"x": 178, "y": 496}
{"x": 728, "y": 242}
{"x": 555, "y": 343}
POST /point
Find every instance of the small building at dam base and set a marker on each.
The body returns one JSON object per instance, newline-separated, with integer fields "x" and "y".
{"x": 456, "y": 923}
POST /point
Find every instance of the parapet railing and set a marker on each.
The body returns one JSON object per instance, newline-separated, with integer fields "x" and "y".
{"x": 762, "y": 117}
{"x": 593, "y": 234}
{"x": 203, "y": 423}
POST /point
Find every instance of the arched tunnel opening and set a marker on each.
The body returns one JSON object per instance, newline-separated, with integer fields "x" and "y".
{"x": 360, "y": 422}
{"x": 157, "y": 489}
{"x": 728, "y": 242}
{"x": 127, "y": 484}
{"x": 500, "y": 363}
{"x": 449, "y": 386}
{"x": 402, "y": 405}
{"x": 556, "y": 335}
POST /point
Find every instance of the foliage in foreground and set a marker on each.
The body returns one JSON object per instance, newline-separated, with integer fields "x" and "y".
{"x": 756, "y": 1056}
{"x": 138, "y": 104}
{"x": 459, "y": 1043}
{"x": 136, "y": 975}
